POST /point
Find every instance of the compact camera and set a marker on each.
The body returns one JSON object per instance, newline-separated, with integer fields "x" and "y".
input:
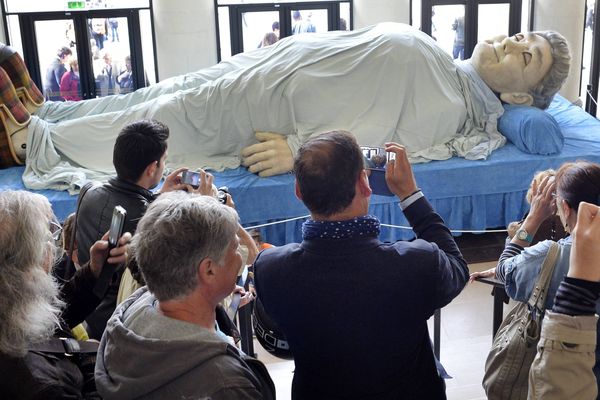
{"x": 375, "y": 159}
{"x": 222, "y": 193}
{"x": 191, "y": 178}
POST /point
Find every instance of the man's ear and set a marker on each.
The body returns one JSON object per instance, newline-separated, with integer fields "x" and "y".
{"x": 520, "y": 99}
{"x": 151, "y": 168}
{"x": 206, "y": 270}
{"x": 363, "y": 183}
{"x": 297, "y": 190}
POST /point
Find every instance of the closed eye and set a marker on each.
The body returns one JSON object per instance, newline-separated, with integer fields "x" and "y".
{"x": 519, "y": 37}
{"x": 526, "y": 57}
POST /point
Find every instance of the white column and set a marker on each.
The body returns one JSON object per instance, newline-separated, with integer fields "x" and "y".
{"x": 369, "y": 12}
{"x": 186, "y": 38}
{"x": 566, "y": 17}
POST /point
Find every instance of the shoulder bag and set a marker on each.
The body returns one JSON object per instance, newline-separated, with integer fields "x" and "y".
{"x": 515, "y": 344}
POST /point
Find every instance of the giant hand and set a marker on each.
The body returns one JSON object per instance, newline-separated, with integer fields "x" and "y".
{"x": 272, "y": 156}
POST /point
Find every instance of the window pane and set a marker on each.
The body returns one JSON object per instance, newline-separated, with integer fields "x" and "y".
{"x": 14, "y": 33}
{"x": 224, "y": 33}
{"x": 416, "y": 13}
{"x": 345, "y": 16}
{"x": 586, "y": 62}
{"x": 525, "y": 16}
{"x": 493, "y": 20}
{"x": 147, "y": 48}
{"x": 448, "y": 28}
{"x": 309, "y": 21}
{"x": 57, "y": 52}
{"x": 109, "y": 47}
{"x": 227, "y": 2}
{"x": 260, "y": 28}
{"x": 17, "y": 6}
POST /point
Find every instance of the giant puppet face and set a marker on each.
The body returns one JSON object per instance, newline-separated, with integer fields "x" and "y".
{"x": 511, "y": 66}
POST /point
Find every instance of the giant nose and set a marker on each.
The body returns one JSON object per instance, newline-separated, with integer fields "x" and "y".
{"x": 510, "y": 44}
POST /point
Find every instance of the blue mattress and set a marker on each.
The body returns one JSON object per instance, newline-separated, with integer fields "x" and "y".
{"x": 469, "y": 195}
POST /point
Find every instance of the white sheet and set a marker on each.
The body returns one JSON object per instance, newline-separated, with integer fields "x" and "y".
{"x": 386, "y": 82}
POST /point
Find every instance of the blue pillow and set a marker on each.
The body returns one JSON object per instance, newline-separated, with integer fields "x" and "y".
{"x": 532, "y": 130}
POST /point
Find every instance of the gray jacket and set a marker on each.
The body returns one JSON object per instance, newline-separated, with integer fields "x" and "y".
{"x": 144, "y": 354}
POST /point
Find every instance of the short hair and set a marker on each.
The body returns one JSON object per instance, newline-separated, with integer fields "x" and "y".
{"x": 544, "y": 92}
{"x": 275, "y": 26}
{"x": 72, "y": 62}
{"x": 63, "y": 51}
{"x": 578, "y": 181}
{"x": 139, "y": 144}
{"x": 30, "y": 307}
{"x": 327, "y": 168}
{"x": 296, "y": 15}
{"x": 177, "y": 232}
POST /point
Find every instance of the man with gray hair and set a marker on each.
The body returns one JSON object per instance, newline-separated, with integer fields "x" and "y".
{"x": 163, "y": 341}
{"x": 36, "y": 312}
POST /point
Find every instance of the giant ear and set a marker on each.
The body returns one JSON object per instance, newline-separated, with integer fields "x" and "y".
{"x": 521, "y": 99}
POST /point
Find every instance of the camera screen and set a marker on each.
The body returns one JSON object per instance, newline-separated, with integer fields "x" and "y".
{"x": 191, "y": 178}
{"x": 116, "y": 225}
{"x": 376, "y": 157}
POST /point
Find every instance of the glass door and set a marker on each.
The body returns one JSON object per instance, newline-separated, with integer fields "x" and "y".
{"x": 59, "y": 61}
{"x": 92, "y": 53}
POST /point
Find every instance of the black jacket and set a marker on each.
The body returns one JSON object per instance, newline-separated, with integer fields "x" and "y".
{"x": 39, "y": 375}
{"x": 93, "y": 221}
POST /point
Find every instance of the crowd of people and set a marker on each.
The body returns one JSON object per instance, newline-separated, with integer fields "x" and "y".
{"x": 61, "y": 80}
{"x": 169, "y": 336}
{"x": 351, "y": 310}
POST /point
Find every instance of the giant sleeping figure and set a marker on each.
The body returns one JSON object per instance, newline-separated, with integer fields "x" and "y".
{"x": 388, "y": 82}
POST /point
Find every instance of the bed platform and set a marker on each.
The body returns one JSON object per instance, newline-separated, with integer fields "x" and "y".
{"x": 469, "y": 195}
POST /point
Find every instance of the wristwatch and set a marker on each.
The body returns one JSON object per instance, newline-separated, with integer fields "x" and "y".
{"x": 525, "y": 236}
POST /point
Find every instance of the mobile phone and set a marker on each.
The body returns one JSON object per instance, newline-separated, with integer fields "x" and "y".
{"x": 116, "y": 226}
{"x": 191, "y": 178}
{"x": 234, "y": 305}
{"x": 375, "y": 159}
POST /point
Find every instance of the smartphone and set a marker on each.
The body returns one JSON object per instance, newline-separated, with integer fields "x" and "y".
{"x": 375, "y": 159}
{"x": 234, "y": 305}
{"x": 191, "y": 178}
{"x": 116, "y": 226}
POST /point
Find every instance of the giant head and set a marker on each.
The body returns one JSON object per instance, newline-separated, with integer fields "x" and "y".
{"x": 527, "y": 68}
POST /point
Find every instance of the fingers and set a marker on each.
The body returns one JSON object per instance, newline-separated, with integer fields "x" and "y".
{"x": 206, "y": 183}
{"x": 177, "y": 172}
{"x": 258, "y": 156}
{"x": 264, "y": 136}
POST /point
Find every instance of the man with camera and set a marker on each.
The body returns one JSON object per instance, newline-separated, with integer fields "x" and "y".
{"x": 353, "y": 309}
{"x": 163, "y": 342}
{"x": 139, "y": 157}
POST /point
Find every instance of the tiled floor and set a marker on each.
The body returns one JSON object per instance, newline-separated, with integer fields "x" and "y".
{"x": 465, "y": 340}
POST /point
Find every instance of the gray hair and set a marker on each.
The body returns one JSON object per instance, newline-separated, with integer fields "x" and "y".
{"x": 30, "y": 308}
{"x": 175, "y": 234}
{"x": 559, "y": 71}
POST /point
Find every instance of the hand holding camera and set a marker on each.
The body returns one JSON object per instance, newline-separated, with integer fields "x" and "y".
{"x": 200, "y": 182}
{"x": 398, "y": 172}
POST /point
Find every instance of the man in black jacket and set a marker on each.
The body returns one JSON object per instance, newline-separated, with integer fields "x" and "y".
{"x": 354, "y": 309}
{"x": 139, "y": 158}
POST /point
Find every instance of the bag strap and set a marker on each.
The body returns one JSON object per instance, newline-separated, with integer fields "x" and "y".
{"x": 68, "y": 346}
{"x": 537, "y": 300}
{"x": 82, "y": 193}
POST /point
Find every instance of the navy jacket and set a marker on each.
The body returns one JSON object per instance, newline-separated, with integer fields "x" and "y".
{"x": 354, "y": 311}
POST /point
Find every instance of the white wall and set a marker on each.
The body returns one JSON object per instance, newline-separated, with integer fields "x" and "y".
{"x": 186, "y": 38}
{"x": 566, "y": 17}
{"x": 369, "y": 12}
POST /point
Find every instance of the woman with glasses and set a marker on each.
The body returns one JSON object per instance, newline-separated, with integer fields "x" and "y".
{"x": 520, "y": 263}
{"x": 36, "y": 312}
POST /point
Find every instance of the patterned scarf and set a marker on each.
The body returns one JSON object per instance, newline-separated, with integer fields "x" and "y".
{"x": 358, "y": 227}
